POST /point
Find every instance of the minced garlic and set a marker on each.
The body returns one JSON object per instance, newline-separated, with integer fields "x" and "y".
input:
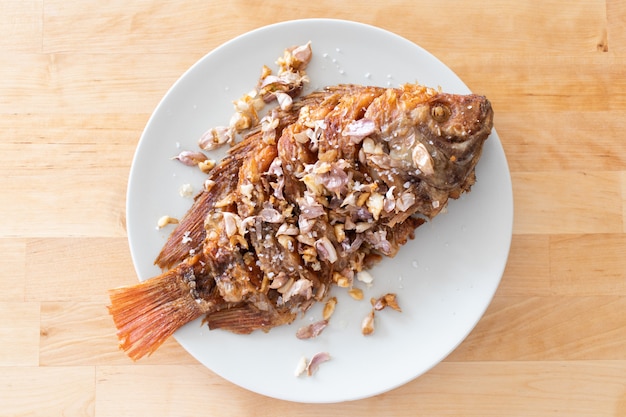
{"x": 185, "y": 190}
{"x": 365, "y": 277}
{"x": 301, "y": 367}
{"x": 165, "y": 220}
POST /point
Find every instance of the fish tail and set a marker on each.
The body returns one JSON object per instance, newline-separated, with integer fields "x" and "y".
{"x": 148, "y": 313}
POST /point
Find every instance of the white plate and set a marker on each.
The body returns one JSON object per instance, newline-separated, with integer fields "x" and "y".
{"x": 444, "y": 279}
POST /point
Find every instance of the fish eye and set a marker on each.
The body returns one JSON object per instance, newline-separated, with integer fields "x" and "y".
{"x": 440, "y": 112}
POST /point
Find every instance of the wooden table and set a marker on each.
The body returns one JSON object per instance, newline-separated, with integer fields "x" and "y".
{"x": 78, "y": 81}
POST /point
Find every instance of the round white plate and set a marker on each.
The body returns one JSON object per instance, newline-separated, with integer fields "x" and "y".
{"x": 444, "y": 279}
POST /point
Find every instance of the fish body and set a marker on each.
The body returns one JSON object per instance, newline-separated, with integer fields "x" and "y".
{"x": 309, "y": 198}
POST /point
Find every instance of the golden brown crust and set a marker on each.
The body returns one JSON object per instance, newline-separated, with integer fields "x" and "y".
{"x": 313, "y": 195}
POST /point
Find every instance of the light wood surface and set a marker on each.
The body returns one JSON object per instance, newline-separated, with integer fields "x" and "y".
{"x": 78, "y": 81}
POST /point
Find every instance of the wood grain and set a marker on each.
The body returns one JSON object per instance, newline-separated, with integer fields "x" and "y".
{"x": 623, "y": 180}
{"x": 86, "y": 275}
{"x": 45, "y": 391}
{"x": 155, "y": 28}
{"x": 602, "y": 272}
{"x": 560, "y": 202}
{"x": 548, "y": 329}
{"x": 616, "y": 17}
{"x": 78, "y": 82}
{"x": 12, "y": 278}
{"x": 88, "y": 150}
{"x": 81, "y": 83}
{"x": 530, "y": 82}
{"x": 450, "y": 389}
{"x": 19, "y": 331}
{"x": 82, "y": 333}
{"x": 538, "y": 141}
{"x": 527, "y": 271}
{"x": 22, "y": 26}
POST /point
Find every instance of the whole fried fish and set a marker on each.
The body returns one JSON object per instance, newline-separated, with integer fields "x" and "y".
{"x": 309, "y": 198}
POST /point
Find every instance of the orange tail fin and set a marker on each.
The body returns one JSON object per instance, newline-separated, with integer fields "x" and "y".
{"x": 146, "y": 314}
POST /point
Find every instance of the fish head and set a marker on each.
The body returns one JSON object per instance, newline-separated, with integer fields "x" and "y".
{"x": 423, "y": 135}
{"x": 447, "y": 137}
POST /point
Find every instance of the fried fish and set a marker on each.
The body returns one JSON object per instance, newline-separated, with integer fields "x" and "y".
{"x": 311, "y": 196}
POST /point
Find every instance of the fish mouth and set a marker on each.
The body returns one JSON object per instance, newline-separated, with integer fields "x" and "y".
{"x": 487, "y": 111}
{"x": 476, "y": 116}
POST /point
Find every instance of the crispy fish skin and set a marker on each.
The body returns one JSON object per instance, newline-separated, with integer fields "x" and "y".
{"x": 341, "y": 180}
